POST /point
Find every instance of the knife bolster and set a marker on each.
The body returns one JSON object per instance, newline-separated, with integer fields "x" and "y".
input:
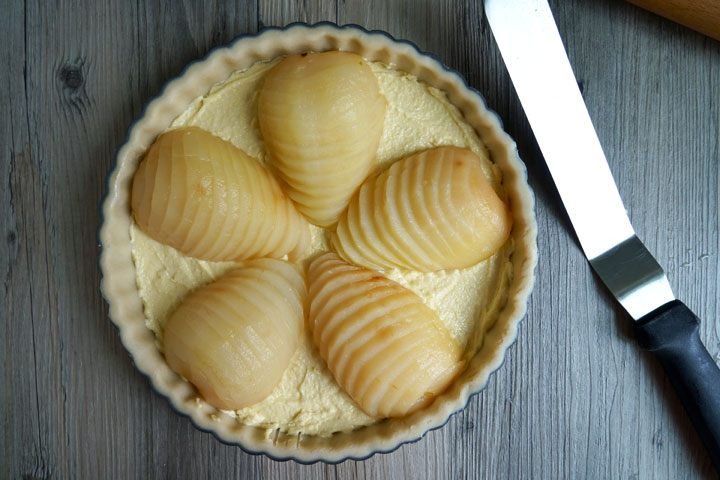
{"x": 665, "y": 326}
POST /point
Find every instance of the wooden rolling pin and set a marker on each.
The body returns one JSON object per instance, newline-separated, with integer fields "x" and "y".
{"x": 700, "y": 15}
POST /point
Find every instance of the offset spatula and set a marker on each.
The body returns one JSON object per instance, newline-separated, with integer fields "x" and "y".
{"x": 535, "y": 57}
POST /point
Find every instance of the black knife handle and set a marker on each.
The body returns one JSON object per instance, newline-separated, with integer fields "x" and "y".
{"x": 671, "y": 333}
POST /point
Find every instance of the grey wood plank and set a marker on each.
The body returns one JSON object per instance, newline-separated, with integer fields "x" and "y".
{"x": 282, "y": 12}
{"x": 31, "y": 370}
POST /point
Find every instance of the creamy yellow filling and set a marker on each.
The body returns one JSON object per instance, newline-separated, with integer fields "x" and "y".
{"x": 308, "y": 400}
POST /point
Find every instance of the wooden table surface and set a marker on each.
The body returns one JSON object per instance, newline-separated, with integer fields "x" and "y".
{"x": 575, "y": 397}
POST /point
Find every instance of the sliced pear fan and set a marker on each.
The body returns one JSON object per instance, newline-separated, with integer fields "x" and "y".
{"x": 234, "y": 338}
{"x": 431, "y": 211}
{"x": 321, "y": 116}
{"x": 384, "y": 346}
{"x": 208, "y": 199}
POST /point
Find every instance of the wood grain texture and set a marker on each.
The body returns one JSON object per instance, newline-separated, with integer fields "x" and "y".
{"x": 700, "y": 15}
{"x": 575, "y": 397}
